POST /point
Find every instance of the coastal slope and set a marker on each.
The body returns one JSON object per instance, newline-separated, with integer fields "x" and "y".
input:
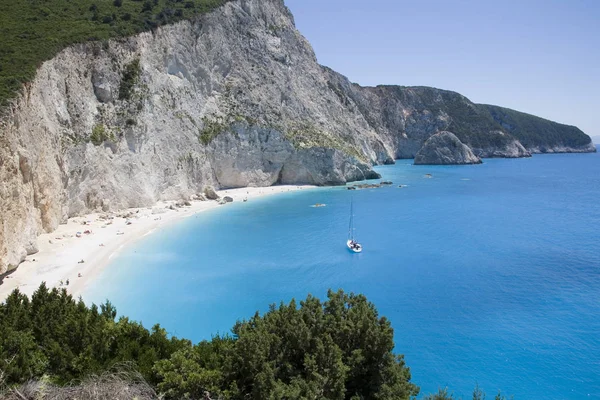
{"x": 539, "y": 135}
{"x": 233, "y": 98}
{"x": 407, "y": 116}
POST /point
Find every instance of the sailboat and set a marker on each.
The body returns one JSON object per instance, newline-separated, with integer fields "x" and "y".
{"x": 352, "y": 244}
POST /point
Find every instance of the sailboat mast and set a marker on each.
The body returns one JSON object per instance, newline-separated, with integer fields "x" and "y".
{"x": 351, "y": 227}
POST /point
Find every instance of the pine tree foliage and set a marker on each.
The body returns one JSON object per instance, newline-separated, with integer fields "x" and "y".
{"x": 340, "y": 349}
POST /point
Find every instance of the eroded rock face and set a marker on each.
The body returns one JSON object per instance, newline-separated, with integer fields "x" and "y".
{"x": 444, "y": 148}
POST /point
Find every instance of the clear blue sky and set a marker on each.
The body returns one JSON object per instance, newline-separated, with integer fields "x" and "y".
{"x": 536, "y": 56}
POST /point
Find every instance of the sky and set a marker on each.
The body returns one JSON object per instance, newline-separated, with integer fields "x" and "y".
{"x": 539, "y": 57}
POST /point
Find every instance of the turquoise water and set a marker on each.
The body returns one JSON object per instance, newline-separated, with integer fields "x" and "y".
{"x": 490, "y": 274}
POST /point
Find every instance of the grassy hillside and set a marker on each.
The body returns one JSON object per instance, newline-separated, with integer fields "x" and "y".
{"x": 33, "y": 31}
{"x": 534, "y": 131}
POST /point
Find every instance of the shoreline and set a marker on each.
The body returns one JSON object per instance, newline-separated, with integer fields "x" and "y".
{"x": 61, "y": 252}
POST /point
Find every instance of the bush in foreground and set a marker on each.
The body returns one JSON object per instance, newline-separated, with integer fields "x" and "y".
{"x": 54, "y": 347}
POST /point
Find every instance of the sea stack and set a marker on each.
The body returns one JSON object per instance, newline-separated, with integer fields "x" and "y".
{"x": 444, "y": 148}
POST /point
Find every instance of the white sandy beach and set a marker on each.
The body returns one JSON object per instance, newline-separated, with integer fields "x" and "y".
{"x": 61, "y": 252}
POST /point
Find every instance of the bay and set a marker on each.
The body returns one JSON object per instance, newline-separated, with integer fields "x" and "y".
{"x": 490, "y": 274}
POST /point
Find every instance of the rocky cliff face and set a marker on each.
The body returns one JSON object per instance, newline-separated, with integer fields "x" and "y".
{"x": 234, "y": 98}
{"x": 445, "y": 148}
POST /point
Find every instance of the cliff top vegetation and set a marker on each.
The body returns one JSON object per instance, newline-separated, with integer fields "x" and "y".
{"x": 33, "y": 31}
{"x": 534, "y": 131}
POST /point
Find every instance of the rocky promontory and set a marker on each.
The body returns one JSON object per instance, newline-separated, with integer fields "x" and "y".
{"x": 445, "y": 148}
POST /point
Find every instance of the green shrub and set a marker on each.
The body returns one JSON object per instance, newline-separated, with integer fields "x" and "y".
{"x": 147, "y": 6}
{"x": 210, "y": 130}
{"x": 100, "y": 135}
{"x": 333, "y": 350}
{"x": 129, "y": 78}
{"x": 56, "y": 335}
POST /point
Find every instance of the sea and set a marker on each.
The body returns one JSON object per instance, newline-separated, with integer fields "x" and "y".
{"x": 490, "y": 274}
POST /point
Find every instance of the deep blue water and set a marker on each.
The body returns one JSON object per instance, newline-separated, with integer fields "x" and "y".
{"x": 490, "y": 274}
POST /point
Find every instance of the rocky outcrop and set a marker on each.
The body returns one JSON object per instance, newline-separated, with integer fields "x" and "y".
{"x": 445, "y": 148}
{"x": 233, "y": 98}
{"x": 256, "y": 156}
{"x": 210, "y": 194}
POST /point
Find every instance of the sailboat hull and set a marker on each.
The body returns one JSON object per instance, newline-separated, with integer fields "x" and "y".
{"x": 356, "y": 248}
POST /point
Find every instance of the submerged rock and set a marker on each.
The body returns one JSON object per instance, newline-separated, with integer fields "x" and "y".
{"x": 368, "y": 186}
{"x": 444, "y": 148}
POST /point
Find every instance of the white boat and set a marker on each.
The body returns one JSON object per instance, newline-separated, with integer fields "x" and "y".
{"x": 352, "y": 244}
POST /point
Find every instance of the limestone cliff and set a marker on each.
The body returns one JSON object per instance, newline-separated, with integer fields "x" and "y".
{"x": 444, "y": 148}
{"x": 233, "y": 98}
